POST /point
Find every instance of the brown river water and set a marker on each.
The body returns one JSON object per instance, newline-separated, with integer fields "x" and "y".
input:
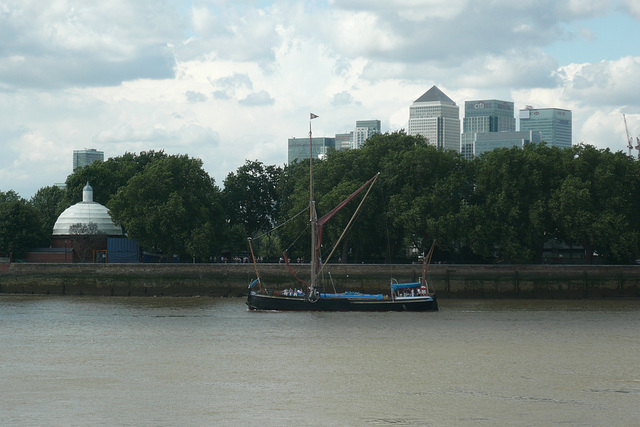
{"x": 80, "y": 361}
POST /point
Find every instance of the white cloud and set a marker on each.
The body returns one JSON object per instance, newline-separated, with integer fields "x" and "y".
{"x": 193, "y": 96}
{"x": 229, "y": 81}
{"x": 30, "y": 160}
{"x": 515, "y": 69}
{"x": 75, "y": 43}
{"x": 581, "y": 8}
{"x": 632, "y": 7}
{"x": 342, "y": 98}
{"x": 257, "y": 99}
{"x": 611, "y": 83}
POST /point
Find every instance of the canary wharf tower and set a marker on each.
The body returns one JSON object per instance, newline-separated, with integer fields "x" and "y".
{"x": 436, "y": 117}
{"x": 554, "y": 124}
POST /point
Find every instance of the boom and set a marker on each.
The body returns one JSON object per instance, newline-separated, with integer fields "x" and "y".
{"x": 629, "y": 139}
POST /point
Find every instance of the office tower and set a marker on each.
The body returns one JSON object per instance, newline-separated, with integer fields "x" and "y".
{"x": 344, "y": 141}
{"x": 488, "y": 141}
{"x": 299, "y": 148}
{"x": 554, "y": 124}
{"x": 436, "y": 117}
{"x": 485, "y": 116}
{"x": 364, "y": 130}
{"x": 86, "y": 157}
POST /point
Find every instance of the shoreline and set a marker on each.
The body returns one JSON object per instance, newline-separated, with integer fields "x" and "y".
{"x": 231, "y": 280}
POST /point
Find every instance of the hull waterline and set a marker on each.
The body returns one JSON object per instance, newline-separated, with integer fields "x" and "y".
{"x": 257, "y": 301}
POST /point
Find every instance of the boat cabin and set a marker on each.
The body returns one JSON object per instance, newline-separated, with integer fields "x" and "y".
{"x": 403, "y": 291}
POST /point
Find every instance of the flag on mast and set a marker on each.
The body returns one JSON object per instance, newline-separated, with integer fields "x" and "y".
{"x": 313, "y": 116}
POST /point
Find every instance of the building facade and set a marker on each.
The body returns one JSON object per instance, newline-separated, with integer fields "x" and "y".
{"x": 84, "y": 227}
{"x": 484, "y": 116}
{"x": 554, "y": 124}
{"x": 437, "y": 118}
{"x": 488, "y": 141}
{"x": 86, "y": 157}
{"x": 298, "y": 148}
{"x": 344, "y": 141}
{"x": 364, "y": 130}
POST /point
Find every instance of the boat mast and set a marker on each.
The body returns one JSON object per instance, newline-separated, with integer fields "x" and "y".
{"x": 425, "y": 266}
{"x": 313, "y": 218}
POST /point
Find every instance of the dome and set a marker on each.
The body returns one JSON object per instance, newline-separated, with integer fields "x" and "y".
{"x": 85, "y": 212}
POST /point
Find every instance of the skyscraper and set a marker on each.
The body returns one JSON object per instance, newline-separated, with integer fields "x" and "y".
{"x": 299, "y": 148}
{"x": 554, "y": 124}
{"x": 364, "y": 130}
{"x": 436, "y": 117}
{"x": 344, "y": 141}
{"x": 488, "y": 141}
{"x": 484, "y": 116}
{"x": 86, "y": 157}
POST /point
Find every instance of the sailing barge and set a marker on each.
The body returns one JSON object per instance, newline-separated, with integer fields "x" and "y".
{"x": 413, "y": 296}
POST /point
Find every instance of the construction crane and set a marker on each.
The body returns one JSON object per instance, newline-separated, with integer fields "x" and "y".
{"x": 629, "y": 139}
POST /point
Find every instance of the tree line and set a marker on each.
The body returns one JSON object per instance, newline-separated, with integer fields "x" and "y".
{"x": 503, "y": 206}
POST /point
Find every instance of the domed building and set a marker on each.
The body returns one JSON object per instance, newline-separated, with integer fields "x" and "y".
{"x": 85, "y": 212}
{"x": 85, "y": 227}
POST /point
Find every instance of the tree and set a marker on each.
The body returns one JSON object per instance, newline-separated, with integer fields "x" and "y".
{"x": 251, "y": 199}
{"x": 172, "y": 205}
{"x": 20, "y": 226}
{"x": 597, "y": 204}
{"x": 9, "y": 196}
{"x": 509, "y": 206}
{"x": 48, "y": 202}
{"x": 86, "y": 238}
{"x": 433, "y": 188}
{"x": 394, "y": 216}
{"x": 106, "y": 178}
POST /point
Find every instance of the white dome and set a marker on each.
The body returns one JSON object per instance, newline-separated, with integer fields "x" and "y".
{"x": 85, "y": 212}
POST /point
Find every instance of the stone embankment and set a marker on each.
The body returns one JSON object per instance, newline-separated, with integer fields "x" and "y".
{"x": 231, "y": 280}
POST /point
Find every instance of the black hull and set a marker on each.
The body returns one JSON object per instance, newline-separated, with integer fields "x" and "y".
{"x": 282, "y": 303}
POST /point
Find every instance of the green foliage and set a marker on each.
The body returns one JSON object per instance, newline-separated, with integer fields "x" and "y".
{"x": 20, "y": 227}
{"x": 597, "y": 204}
{"x": 9, "y": 196}
{"x": 250, "y": 197}
{"x": 510, "y": 204}
{"x": 106, "y": 178}
{"x": 503, "y": 206}
{"x": 172, "y": 205}
{"x": 49, "y": 203}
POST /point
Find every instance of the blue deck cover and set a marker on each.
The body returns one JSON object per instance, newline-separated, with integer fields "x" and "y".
{"x": 353, "y": 295}
{"x": 395, "y": 286}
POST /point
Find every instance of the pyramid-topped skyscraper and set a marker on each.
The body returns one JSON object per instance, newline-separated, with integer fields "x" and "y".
{"x": 436, "y": 117}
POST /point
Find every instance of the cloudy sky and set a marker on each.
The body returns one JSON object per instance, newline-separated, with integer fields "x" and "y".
{"x": 226, "y": 81}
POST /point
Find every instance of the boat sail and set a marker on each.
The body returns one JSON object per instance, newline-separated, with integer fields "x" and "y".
{"x": 414, "y": 296}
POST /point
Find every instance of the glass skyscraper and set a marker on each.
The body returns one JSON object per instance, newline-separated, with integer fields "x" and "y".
{"x": 365, "y": 129}
{"x": 299, "y": 148}
{"x": 436, "y": 117}
{"x": 492, "y": 140}
{"x": 86, "y": 157}
{"x": 344, "y": 141}
{"x": 484, "y": 116}
{"x": 554, "y": 124}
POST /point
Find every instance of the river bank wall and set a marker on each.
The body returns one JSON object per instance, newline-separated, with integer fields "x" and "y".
{"x": 231, "y": 280}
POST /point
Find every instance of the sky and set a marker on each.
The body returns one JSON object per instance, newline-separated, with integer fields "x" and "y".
{"x": 230, "y": 81}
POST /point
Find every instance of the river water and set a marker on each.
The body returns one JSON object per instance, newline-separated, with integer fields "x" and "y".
{"x": 78, "y": 361}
